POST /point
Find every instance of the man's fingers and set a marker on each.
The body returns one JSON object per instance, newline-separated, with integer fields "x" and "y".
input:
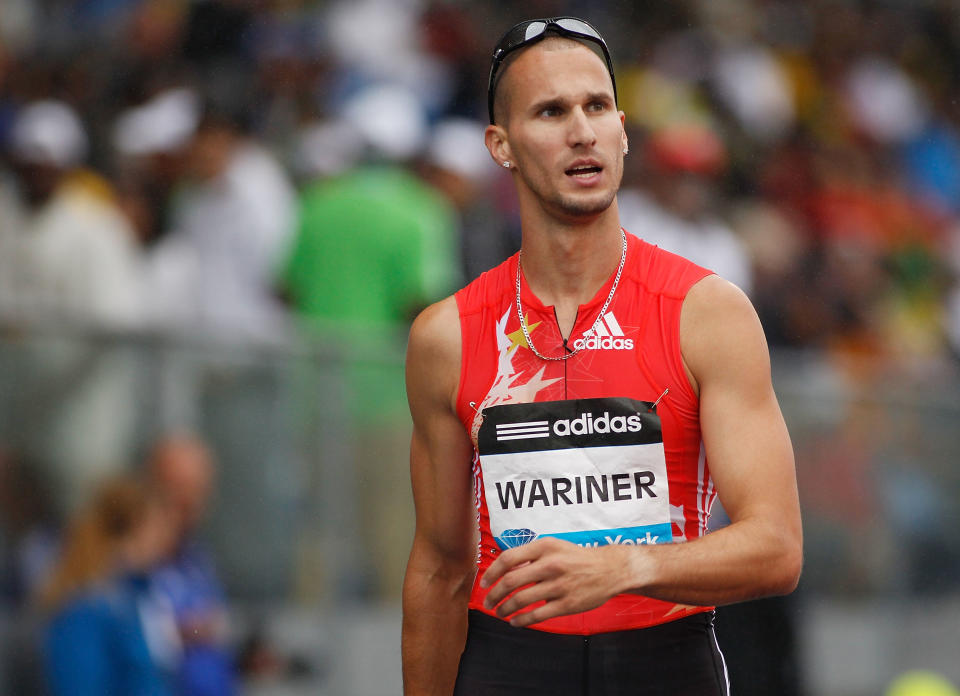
{"x": 541, "y": 613}
{"x": 508, "y": 560}
{"x": 514, "y": 579}
{"x": 525, "y": 597}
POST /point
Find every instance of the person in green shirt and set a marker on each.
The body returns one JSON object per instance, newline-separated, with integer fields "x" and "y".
{"x": 375, "y": 245}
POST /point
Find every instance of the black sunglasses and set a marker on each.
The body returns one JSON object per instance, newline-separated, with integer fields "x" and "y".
{"x": 534, "y": 30}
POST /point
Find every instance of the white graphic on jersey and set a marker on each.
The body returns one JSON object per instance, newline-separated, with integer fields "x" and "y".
{"x": 504, "y": 389}
{"x": 606, "y": 334}
{"x": 608, "y": 326}
{"x": 677, "y": 517}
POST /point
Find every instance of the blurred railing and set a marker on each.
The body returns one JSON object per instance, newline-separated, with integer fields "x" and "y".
{"x": 77, "y": 403}
{"x": 878, "y": 447}
{"x": 877, "y": 451}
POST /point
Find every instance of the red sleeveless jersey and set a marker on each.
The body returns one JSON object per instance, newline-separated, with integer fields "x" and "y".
{"x": 602, "y": 448}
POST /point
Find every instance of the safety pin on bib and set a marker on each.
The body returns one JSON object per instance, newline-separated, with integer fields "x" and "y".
{"x": 653, "y": 406}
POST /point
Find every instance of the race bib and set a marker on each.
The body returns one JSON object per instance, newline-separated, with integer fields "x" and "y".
{"x": 590, "y": 471}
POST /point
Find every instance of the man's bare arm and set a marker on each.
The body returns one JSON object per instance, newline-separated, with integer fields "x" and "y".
{"x": 442, "y": 563}
{"x": 751, "y": 462}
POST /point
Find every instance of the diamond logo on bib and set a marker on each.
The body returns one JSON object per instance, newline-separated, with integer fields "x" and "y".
{"x": 511, "y": 538}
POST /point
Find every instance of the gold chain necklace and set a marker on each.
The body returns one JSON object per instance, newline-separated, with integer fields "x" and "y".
{"x": 603, "y": 310}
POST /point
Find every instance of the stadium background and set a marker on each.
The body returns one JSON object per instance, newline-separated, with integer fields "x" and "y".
{"x": 817, "y": 145}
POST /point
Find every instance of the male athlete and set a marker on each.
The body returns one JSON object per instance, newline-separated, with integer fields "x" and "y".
{"x": 576, "y": 411}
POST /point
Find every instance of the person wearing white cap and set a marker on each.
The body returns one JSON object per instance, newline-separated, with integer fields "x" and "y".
{"x": 232, "y": 220}
{"x": 68, "y": 263}
{"x": 458, "y": 165}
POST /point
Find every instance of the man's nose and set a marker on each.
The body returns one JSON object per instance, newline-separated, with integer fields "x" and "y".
{"x": 581, "y": 130}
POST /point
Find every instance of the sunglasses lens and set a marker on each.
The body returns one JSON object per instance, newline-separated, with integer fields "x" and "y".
{"x": 577, "y": 27}
{"x": 533, "y": 30}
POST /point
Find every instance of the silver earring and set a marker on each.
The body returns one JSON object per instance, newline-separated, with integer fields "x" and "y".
{"x": 626, "y": 150}
{"x": 507, "y": 165}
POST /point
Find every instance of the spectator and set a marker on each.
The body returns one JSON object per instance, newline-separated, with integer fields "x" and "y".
{"x": 109, "y": 632}
{"x": 231, "y": 223}
{"x": 65, "y": 251}
{"x": 679, "y": 211}
{"x": 458, "y": 165}
{"x": 67, "y": 260}
{"x": 150, "y": 141}
{"x": 375, "y": 245}
{"x": 181, "y": 468}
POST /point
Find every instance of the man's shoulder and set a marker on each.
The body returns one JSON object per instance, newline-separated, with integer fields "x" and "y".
{"x": 718, "y": 293}
{"x": 436, "y": 330}
{"x": 664, "y": 272}
{"x": 718, "y": 320}
{"x": 433, "y": 354}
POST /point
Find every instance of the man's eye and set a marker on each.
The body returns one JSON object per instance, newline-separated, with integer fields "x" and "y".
{"x": 597, "y": 106}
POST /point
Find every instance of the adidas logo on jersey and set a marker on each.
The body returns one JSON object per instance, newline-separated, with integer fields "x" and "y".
{"x": 606, "y": 334}
{"x": 584, "y": 424}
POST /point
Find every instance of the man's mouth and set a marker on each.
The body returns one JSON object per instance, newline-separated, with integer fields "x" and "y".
{"x": 584, "y": 171}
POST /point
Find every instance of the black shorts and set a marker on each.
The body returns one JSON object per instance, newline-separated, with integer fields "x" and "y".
{"x": 680, "y": 658}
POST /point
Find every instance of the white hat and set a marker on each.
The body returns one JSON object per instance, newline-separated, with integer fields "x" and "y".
{"x": 48, "y": 132}
{"x": 163, "y": 124}
{"x": 457, "y": 145}
{"x": 884, "y": 100}
{"x": 391, "y": 120}
{"x": 326, "y": 148}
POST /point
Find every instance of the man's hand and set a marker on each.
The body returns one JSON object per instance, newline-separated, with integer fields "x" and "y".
{"x": 568, "y": 578}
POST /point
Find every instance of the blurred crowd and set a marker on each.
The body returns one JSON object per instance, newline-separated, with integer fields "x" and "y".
{"x": 124, "y": 598}
{"x": 204, "y": 150}
{"x": 261, "y": 171}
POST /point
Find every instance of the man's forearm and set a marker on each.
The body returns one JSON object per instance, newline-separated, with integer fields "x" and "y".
{"x": 746, "y": 560}
{"x": 434, "y": 630}
{"x": 749, "y": 559}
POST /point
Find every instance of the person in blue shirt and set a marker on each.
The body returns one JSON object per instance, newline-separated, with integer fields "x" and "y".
{"x": 108, "y": 631}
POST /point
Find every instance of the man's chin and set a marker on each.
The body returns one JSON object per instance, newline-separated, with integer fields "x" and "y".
{"x": 580, "y": 207}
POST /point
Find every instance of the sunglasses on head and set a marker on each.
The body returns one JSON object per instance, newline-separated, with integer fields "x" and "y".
{"x": 534, "y": 30}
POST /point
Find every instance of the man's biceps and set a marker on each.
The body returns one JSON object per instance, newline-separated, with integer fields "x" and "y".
{"x": 742, "y": 415}
{"x": 757, "y": 486}
{"x": 757, "y": 447}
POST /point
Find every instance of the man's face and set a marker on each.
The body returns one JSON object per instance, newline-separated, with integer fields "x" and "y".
{"x": 563, "y": 133}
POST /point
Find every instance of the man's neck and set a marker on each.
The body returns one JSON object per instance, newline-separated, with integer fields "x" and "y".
{"x": 565, "y": 264}
{"x": 570, "y": 262}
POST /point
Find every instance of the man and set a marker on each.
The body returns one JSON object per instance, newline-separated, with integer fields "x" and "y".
{"x": 673, "y": 203}
{"x": 69, "y": 265}
{"x": 598, "y": 392}
{"x": 231, "y": 222}
{"x": 182, "y": 469}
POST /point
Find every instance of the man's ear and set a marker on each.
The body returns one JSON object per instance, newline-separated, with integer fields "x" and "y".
{"x": 495, "y": 138}
{"x": 623, "y": 138}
